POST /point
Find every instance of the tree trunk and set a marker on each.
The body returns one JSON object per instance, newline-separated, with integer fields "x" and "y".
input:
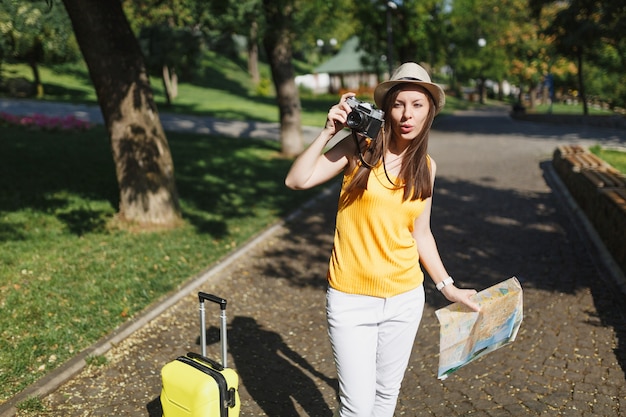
{"x": 253, "y": 53}
{"x": 170, "y": 84}
{"x": 166, "y": 85}
{"x": 34, "y": 55}
{"x": 143, "y": 161}
{"x": 38, "y": 86}
{"x": 532, "y": 95}
{"x": 481, "y": 90}
{"x": 278, "y": 43}
{"x": 581, "y": 82}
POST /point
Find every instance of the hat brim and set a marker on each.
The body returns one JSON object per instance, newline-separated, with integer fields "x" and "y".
{"x": 435, "y": 91}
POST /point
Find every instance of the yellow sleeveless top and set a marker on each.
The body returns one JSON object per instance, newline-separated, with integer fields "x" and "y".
{"x": 374, "y": 252}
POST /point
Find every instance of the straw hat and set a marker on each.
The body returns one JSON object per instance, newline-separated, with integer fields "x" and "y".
{"x": 412, "y": 73}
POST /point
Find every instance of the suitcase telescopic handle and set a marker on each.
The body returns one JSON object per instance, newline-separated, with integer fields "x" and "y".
{"x": 214, "y": 298}
{"x": 202, "y": 296}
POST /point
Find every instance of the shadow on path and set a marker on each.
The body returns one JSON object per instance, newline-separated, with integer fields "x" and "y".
{"x": 499, "y": 123}
{"x": 275, "y": 376}
{"x": 485, "y": 234}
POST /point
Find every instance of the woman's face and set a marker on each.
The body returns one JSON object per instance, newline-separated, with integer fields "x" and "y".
{"x": 409, "y": 112}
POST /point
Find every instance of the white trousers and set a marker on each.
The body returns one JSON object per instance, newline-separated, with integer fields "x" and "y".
{"x": 372, "y": 339}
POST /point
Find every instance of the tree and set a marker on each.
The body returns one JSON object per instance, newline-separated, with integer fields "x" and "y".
{"x": 143, "y": 161}
{"x": 578, "y": 29}
{"x": 34, "y": 33}
{"x": 393, "y": 32}
{"x": 478, "y": 33}
{"x": 169, "y": 37}
{"x": 169, "y": 51}
{"x": 244, "y": 18}
{"x": 278, "y": 41}
{"x": 281, "y": 26}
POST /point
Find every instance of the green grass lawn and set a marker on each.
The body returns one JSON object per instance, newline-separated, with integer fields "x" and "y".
{"x": 576, "y": 109}
{"x": 67, "y": 279}
{"x": 616, "y": 158}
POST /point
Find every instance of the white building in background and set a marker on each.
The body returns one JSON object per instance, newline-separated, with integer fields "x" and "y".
{"x": 317, "y": 83}
{"x": 344, "y": 71}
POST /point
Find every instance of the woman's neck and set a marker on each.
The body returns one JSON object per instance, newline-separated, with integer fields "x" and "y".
{"x": 393, "y": 157}
{"x": 397, "y": 147}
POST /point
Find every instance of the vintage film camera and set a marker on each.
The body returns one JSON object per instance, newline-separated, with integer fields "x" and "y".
{"x": 364, "y": 118}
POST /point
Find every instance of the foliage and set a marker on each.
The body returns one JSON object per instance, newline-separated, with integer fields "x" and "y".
{"x": 168, "y": 33}
{"x": 229, "y": 27}
{"x": 222, "y": 20}
{"x": 498, "y": 40}
{"x": 33, "y": 32}
{"x": 174, "y": 13}
{"x": 414, "y": 27}
{"x": 327, "y": 21}
{"x": 310, "y": 21}
{"x": 165, "y": 46}
{"x": 591, "y": 33}
{"x": 522, "y": 44}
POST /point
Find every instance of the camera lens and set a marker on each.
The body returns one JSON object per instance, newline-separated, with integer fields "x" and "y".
{"x": 354, "y": 120}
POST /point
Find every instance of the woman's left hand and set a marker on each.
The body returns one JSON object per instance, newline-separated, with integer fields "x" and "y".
{"x": 458, "y": 295}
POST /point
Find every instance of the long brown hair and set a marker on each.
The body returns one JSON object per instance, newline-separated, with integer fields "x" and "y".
{"x": 415, "y": 170}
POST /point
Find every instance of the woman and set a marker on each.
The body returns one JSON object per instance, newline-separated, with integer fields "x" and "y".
{"x": 375, "y": 297}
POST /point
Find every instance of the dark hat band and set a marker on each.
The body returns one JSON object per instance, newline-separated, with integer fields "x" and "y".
{"x": 409, "y": 79}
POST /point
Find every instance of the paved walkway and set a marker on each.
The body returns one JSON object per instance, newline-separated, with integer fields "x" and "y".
{"x": 498, "y": 212}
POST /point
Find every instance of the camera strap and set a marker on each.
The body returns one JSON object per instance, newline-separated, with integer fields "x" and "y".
{"x": 367, "y": 164}
{"x": 358, "y": 149}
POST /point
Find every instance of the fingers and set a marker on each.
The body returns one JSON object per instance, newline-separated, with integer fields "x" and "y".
{"x": 345, "y": 96}
{"x": 469, "y": 302}
{"x": 472, "y": 305}
{"x": 462, "y": 296}
{"x": 338, "y": 113}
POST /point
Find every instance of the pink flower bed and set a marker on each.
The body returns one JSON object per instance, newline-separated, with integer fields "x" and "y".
{"x": 42, "y": 122}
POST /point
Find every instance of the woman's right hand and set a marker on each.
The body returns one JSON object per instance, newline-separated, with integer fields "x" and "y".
{"x": 338, "y": 115}
{"x": 315, "y": 166}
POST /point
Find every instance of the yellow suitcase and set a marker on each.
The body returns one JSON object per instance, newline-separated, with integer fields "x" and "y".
{"x": 196, "y": 386}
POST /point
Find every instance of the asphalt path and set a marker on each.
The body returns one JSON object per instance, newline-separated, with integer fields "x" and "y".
{"x": 499, "y": 211}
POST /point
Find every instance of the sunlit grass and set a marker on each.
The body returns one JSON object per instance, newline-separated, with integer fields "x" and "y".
{"x": 576, "y": 109}
{"x": 616, "y": 158}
